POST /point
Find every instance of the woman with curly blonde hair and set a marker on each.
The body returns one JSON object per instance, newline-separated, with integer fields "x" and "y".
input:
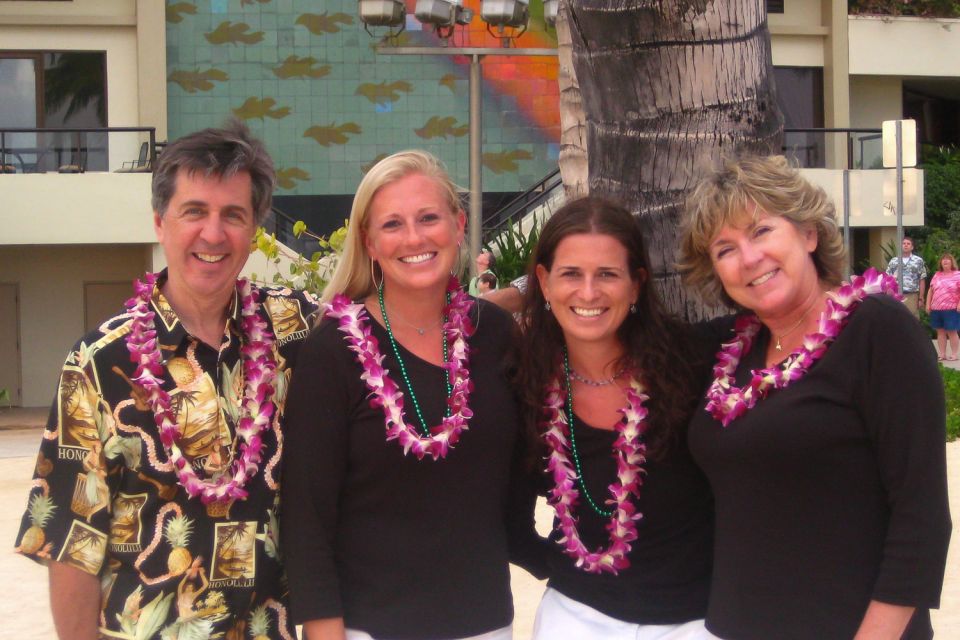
{"x": 822, "y": 433}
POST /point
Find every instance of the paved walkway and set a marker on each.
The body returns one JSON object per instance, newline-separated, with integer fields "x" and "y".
{"x": 27, "y": 615}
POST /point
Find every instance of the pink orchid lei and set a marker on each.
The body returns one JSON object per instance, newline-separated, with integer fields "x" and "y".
{"x": 630, "y": 452}
{"x": 354, "y": 323}
{"x": 726, "y": 403}
{"x": 257, "y": 409}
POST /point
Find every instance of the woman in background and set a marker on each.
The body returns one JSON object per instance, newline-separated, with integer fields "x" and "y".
{"x": 943, "y": 306}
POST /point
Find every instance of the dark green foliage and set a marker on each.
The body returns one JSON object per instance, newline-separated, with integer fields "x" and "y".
{"x": 925, "y": 8}
{"x": 951, "y": 389}
{"x": 512, "y": 249}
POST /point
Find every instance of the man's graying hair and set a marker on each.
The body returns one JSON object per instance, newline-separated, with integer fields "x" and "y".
{"x": 217, "y": 152}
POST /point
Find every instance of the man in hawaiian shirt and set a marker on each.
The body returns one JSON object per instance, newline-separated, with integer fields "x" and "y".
{"x": 170, "y": 531}
{"x": 914, "y": 276}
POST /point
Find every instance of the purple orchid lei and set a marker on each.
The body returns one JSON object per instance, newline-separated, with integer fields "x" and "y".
{"x": 630, "y": 453}
{"x": 726, "y": 403}
{"x": 354, "y": 323}
{"x": 257, "y": 409}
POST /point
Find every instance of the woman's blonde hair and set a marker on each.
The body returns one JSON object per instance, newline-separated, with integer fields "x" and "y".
{"x": 737, "y": 192}
{"x": 353, "y": 276}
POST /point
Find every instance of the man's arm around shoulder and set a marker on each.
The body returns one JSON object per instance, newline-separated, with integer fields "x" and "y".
{"x": 74, "y": 602}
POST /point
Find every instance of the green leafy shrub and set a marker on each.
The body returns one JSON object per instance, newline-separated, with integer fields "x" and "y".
{"x": 513, "y": 248}
{"x": 310, "y": 274}
{"x": 925, "y": 8}
{"x": 951, "y": 389}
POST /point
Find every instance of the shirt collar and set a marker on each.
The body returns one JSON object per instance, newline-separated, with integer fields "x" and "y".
{"x": 170, "y": 331}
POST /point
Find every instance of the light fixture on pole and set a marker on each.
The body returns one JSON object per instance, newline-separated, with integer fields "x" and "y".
{"x": 550, "y": 10}
{"x": 382, "y": 13}
{"x": 503, "y": 14}
{"x": 444, "y": 15}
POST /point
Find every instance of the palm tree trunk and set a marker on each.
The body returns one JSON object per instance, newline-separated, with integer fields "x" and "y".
{"x": 667, "y": 86}
{"x": 573, "y": 130}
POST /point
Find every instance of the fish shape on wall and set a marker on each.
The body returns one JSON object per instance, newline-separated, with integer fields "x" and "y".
{"x": 233, "y": 33}
{"x": 294, "y": 67}
{"x": 321, "y": 23}
{"x": 383, "y": 93}
{"x": 256, "y": 108}
{"x": 437, "y": 127}
{"x": 450, "y": 82}
{"x": 176, "y": 10}
{"x": 246, "y": 2}
{"x": 196, "y": 80}
{"x": 366, "y": 167}
{"x": 286, "y": 178}
{"x": 332, "y": 134}
{"x": 399, "y": 40}
{"x": 505, "y": 160}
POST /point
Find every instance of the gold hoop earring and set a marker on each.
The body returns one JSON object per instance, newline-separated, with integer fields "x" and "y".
{"x": 373, "y": 275}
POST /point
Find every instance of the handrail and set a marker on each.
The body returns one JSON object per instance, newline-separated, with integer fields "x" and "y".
{"x": 847, "y": 131}
{"x": 531, "y": 198}
{"x": 152, "y": 131}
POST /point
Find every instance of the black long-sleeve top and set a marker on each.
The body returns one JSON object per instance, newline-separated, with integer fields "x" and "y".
{"x": 831, "y": 492}
{"x": 400, "y": 548}
{"x": 668, "y": 579}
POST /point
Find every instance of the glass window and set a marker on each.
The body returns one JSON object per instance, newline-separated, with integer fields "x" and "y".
{"x": 800, "y": 96}
{"x": 54, "y": 90}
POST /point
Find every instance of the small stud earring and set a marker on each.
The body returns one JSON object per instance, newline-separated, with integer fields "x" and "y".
{"x": 546, "y": 305}
{"x": 633, "y": 308}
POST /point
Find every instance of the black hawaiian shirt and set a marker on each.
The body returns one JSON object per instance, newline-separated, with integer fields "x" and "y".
{"x": 106, "y": 500}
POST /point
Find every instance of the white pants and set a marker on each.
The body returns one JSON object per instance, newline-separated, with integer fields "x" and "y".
{"x": 506, "y": 633}
{"x": 563, "y": 618}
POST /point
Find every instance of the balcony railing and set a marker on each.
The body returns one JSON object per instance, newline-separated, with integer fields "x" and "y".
{"x": 41, "y": 150}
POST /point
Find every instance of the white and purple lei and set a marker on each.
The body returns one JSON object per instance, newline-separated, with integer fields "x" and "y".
{"x": 259, "y": 367}
{"x": 726, "y": 402}
{"x": 563, "y": 497}
{"x": 354, "y": 323}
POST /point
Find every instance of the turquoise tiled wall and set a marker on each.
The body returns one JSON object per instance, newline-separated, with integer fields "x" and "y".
{"x": 305, "y": 77}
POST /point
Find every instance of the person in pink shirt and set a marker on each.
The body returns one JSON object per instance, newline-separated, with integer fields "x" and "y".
{"x": 943, "y": 306}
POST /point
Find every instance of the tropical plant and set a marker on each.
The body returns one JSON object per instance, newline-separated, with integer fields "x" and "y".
{"x": 310, "y": 274}
{"x": 513, "y": 248}
{"x": 941, "y": 185}
{"x": 951, "y": 389}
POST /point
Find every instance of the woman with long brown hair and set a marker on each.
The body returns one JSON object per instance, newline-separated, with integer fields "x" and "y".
{"x": 609, "y": 381}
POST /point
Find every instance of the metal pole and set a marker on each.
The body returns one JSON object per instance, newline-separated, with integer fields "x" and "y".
{"x": 900, "y": 202}
{"x": 846, "y": 222}
{"x": 476, "y": 160}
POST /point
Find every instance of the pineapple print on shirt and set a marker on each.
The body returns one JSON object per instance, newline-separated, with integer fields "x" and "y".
{"x": 105, "y": 498}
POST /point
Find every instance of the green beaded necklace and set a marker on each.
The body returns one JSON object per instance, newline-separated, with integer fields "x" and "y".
{"x": 603, "y": 513}
{"x": 403, "y": 369}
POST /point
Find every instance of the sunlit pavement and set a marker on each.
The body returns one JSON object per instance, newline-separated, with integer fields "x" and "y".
{"x": 26, "y": 613}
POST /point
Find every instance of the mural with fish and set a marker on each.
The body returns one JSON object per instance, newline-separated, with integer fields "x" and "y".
{"x": 308, "y": 79}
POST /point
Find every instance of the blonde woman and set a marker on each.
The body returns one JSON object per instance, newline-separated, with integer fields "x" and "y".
{"x": 401, "y": 431}
{"x": 823, "y": 429}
